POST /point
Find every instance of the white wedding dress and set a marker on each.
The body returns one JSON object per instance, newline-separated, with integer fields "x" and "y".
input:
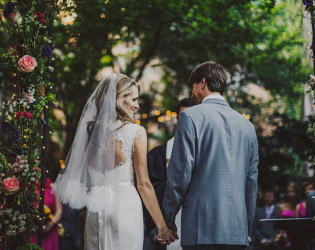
{"x": 120, "y": 225}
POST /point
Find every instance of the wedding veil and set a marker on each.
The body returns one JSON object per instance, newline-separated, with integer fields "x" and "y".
{"x": 92, "y": 154}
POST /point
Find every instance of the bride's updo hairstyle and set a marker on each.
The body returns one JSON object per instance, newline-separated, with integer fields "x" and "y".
{"x": 123, "y": 89}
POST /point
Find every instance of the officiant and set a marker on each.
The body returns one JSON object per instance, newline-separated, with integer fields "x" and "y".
{"x": 158, "y": 159}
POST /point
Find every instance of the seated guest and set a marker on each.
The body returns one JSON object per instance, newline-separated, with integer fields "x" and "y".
{"x": 310, "y": 205}
{"x": 300, "y": 208}
{"x": 158, "y": 159}
{"x": 263, "y": 231}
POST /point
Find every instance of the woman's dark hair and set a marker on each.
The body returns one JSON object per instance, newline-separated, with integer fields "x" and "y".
{"x": 186, "y": 102}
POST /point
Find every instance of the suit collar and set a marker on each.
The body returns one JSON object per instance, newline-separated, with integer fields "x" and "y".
{"x": 216, "y": 101}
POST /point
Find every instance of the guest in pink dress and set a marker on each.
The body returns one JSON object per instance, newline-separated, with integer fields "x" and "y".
{"x": 300, "y": 211}
{"x": 54, "y": 208}
{"x": 287, "y": 208}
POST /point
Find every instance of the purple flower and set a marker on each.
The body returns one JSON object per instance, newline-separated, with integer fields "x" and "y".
{"x": 8, "y": 9}
{"x": 308, "y": 2}
{"x": 47, "y": 51}
{"x": 16, "y": 135}
{"x": 5, "y": 127}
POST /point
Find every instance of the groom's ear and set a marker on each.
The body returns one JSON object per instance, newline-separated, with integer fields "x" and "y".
{"x": 203, "y": 83}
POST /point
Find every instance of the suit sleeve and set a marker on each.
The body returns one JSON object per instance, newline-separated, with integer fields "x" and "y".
{"x": 251, "y": 185}
{"x": 180, "y": 168}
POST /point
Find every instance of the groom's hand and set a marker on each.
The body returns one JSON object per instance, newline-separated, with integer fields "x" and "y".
{"x": 165, "y": 236}
{"x": 175, "y": 235}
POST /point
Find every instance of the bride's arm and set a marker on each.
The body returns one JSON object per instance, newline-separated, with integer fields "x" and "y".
{"x": 145, "y": 187}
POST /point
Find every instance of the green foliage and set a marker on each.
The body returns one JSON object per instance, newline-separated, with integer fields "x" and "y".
{"x": 29, "y": 247}
{"x": 259, "y": 42}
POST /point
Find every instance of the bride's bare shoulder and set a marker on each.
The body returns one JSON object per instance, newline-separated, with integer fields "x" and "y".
{"x": 141, "y": 133}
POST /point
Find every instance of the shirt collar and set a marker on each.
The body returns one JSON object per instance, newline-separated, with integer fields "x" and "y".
{"x": 217, "y": 96}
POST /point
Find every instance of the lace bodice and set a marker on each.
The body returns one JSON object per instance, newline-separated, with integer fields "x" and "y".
{"x": 124, "y": 140}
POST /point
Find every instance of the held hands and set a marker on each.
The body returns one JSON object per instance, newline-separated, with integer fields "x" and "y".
{"x": 166, "y": 236}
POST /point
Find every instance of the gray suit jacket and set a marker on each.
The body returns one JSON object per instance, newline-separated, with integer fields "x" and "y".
{"x": 213, "y": 175}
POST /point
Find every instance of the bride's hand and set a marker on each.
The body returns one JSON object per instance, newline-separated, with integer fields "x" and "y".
{"x": 165, "y": 236}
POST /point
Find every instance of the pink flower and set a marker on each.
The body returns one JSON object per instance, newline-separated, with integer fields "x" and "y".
{"x": 27, "y": 64}
{"x": 19, "y": 114}
{"x": 28, "y": 115}
{"x": 11, "y": 185}
{"x": 42, "y": 21}
{"x": 41, "y": 15}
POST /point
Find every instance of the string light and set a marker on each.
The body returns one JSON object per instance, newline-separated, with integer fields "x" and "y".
{"x": 138, "y": 122}
{"x": 157, "y": 112}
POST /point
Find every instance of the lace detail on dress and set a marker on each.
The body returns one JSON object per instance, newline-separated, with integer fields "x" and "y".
{"x": 126, "y": 136}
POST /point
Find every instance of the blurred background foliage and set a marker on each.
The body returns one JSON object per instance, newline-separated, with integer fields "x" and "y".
{"x": 261, "y": 43}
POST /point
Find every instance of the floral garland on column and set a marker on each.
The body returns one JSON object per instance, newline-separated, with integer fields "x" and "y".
{"x": 25, "y": 53}
{"x": 310, "y": 8}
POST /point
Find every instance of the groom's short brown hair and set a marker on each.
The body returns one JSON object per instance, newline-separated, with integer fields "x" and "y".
{"x": 214, "y": 73}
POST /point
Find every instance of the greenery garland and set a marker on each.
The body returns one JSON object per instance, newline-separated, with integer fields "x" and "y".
{"x": 25, "y": 53}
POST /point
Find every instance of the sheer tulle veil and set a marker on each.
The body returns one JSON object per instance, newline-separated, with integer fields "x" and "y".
{"x": 92, "y": 154}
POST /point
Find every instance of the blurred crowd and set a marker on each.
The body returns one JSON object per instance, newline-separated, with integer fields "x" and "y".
{"x": 272, "y": 204}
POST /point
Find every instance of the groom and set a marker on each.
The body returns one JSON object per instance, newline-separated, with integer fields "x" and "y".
{"x": 213, "y": 168}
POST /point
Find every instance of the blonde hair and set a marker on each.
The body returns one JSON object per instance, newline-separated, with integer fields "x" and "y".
{"x": 123, "y": 89}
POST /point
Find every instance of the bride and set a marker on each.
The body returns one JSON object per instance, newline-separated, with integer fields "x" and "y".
{"x": 108, "y": 150}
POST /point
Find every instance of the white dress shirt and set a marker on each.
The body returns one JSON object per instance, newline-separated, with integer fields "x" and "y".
{"x": 213, "y": 96}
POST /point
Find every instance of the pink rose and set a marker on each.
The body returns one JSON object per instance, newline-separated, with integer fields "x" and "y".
{"x": 27, "y": 64}
{"x": 19, "y": 114}
{"x": 11, "y": 185}
{"x": 28, "y": 115}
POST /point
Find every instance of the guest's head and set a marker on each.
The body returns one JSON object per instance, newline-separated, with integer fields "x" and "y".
{"x": 308, "y": 188}
{"x": 184, "y": 104}
{"x": 291, "y": 193}
{"x": 269, "y": 197}
{"x": 209, "y": 77}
